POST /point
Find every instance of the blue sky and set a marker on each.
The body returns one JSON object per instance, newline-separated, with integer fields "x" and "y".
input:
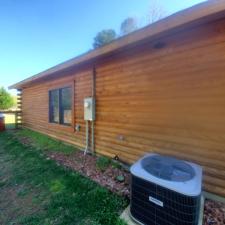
{"x": 38, "y": 34}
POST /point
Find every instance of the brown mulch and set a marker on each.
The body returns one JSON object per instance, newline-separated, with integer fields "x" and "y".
{"x": 86, "y": 165}
{"x": 214, "y": 213}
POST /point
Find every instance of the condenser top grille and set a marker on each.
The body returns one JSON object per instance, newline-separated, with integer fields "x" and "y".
{"x": 177, "y": 175}
{"x": 168, "y": 168}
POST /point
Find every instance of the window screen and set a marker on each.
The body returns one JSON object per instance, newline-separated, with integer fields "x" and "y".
{"x": 60, "y": 106}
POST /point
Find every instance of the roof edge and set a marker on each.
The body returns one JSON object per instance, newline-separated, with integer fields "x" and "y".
{"x": 179, "y": 19}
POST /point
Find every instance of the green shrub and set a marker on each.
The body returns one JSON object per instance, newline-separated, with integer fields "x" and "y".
{"x": 116, "y": 164}
{"x": 103, "y": 163}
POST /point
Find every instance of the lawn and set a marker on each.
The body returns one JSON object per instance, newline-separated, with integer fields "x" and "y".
{"x": 34, "y": 190}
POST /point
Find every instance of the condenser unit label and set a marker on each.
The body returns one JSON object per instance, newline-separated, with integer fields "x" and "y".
{"x": 155, "y": 201}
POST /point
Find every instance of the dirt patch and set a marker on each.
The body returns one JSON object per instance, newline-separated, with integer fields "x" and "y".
{"x": 25, "y": 141}
{"x": 15, "y": 200}
{"x": 86, "y": 165}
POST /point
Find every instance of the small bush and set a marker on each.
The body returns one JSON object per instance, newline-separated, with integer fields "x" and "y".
{"x": 103, "y": 163}
{"x": 116, "y": 164}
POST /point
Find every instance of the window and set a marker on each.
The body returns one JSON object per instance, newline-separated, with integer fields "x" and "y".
{"x": 60, "y": 106}
{"x": 54, "y": 106}
{"x": 66, "y": 112}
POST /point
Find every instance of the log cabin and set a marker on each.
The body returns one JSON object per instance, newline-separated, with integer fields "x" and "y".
{"x": 159, "y": 89}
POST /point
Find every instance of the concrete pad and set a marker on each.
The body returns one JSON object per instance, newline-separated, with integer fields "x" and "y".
{"x": 126, "y": 214}
{"x": 213, "y": 197}
{"x": 126, "y": 217}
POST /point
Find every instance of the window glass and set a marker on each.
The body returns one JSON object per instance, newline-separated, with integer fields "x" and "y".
{"x": 54, "y": 106}
{"x": 60, "y": 106}
{"x": 66, "y": 109}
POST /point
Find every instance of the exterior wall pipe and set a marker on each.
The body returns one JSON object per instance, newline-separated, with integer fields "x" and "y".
{"x": 87, "y": 138}
{"x": 94, "y": 97}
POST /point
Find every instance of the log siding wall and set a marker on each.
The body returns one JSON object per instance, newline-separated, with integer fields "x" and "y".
{"x": 169, "y": 100}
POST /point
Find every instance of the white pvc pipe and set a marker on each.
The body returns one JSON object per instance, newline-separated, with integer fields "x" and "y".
{"x": 87, "y": 139}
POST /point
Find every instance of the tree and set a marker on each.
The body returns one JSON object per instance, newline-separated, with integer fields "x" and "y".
{"x": 128, "y": 25}
{"x": 104, "y": 37}
{"x": 156, "y": 12}
{"x": 6, "y": 100}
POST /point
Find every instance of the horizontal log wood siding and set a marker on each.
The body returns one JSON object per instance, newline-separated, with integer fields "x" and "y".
{"x": 166, "y": 97}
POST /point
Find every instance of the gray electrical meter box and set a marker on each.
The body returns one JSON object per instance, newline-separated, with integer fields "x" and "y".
{"x": 89, "y": 109}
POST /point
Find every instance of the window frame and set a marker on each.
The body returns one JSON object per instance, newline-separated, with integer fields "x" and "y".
{"x": 60, "y": 122}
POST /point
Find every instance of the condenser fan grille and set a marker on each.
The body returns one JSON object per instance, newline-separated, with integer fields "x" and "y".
{"x": 168, "y": 168}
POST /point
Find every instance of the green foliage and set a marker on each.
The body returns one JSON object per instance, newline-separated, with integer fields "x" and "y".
{"x": 63, "y": 197}
{"x": 116, "y": 164}
{"x": 120, "y": 178}
{"x": 103, "y": 163}
{"x": 128, "y": 25}
{"x": 56, "y": 186}
{"x": 6, "y": 100}
{"x": 104, "y": 37}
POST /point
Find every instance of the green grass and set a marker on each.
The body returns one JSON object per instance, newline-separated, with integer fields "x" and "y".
{"x": 47, "y": 193}
{"x": 103, "y": 163}
{"x": 45, "y": 143}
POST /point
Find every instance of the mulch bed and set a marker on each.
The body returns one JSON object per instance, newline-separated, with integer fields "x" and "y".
{"x": 214, "y": 212}
{"x": 86, "y": 165}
